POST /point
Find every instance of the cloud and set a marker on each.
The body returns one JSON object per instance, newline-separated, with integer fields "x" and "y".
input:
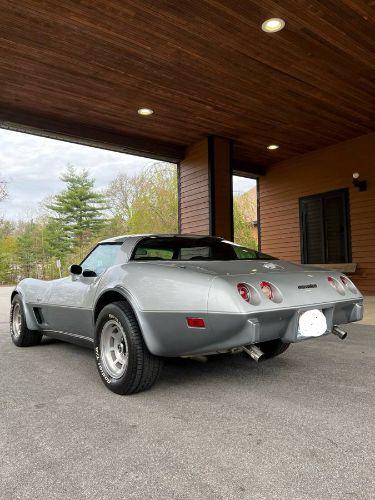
{"x": 32, "y": 165}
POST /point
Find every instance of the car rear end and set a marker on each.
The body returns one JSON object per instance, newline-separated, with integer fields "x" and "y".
{"x": 283, "y": 302}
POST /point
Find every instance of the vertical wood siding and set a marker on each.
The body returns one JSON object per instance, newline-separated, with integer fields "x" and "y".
{"x": 319, "y": 172}
{"x": 223, "y": 192}
{"x": 194, "y": 190}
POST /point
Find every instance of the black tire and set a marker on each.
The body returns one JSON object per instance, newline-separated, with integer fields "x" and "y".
{"x": 273, "y": 348}
{"x": 23, "y": 337}
{"x": 142, "y": 368}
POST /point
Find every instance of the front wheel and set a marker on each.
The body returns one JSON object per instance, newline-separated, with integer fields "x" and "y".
{"x": 273, "y": 348}
{"x": 124, "y": 363}
{"x": 20, "y": 334}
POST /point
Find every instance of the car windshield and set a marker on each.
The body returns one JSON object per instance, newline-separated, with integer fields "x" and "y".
{"x": 193, "y": 248}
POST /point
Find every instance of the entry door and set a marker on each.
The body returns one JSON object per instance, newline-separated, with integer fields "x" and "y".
{"x": 325, "y": 231}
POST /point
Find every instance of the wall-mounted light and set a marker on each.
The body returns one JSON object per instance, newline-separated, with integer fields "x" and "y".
{"x": 360, "y": 185}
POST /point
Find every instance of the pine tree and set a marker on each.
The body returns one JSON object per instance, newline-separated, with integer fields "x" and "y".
{"x": 79, "y": 208}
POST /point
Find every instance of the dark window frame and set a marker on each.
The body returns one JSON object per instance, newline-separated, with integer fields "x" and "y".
{"x": 344, "y": 192}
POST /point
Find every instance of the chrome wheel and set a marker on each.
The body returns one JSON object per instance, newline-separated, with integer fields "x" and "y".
{"x": 16, "y": 320}
{"x": 114, "y": 349}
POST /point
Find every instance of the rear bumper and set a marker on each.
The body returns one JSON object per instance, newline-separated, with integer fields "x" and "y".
{"x": 285, "y": 324}
{"x": 166, "y": 334}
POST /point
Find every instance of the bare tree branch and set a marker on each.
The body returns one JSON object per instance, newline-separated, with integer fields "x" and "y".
{"x": 3, "y": 190}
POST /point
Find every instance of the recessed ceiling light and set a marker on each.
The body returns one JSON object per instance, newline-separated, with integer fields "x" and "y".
{"x": 273, "y": 146}
{"x": 145, "y": 111}
{"x": 272, "y": 25}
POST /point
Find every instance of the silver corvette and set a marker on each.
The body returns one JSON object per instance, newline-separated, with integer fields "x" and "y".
{"x": 138, "y": 299}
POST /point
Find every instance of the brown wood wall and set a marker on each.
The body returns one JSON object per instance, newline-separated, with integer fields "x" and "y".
{"x": 194, "y": 190}
{"x": 223, "y": 193}
{"x": 318, "y": 172}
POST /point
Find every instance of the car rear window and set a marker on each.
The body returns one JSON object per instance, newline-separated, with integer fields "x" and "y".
{"x": 185, "y": 248}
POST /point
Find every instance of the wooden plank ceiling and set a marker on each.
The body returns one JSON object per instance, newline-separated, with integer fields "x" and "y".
{"x": 204, "y": 66}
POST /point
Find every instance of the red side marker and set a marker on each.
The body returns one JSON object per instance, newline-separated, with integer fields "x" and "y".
{"x": 196, "y": 322}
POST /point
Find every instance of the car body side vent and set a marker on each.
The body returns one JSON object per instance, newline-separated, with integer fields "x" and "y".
{"x": 38, "y": 315}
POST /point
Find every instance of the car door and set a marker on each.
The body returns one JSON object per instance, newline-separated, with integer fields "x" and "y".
{"x": 71, "y": 299}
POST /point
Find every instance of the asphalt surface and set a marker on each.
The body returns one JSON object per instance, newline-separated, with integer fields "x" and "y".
{"x": 299, "y": 426}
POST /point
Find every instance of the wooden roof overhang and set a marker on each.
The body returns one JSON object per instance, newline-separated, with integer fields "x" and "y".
{"x": 81, "y": 70}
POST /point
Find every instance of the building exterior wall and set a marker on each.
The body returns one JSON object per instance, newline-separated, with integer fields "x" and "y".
{"x": 223, "y": 188}
{"x": 318, "y": 172}
{"x": 205, "y": 188}
{"x": 194, "y": 192}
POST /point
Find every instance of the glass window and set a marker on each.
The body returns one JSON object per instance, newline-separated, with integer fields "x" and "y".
{"x": 102, "y": 257}
{"x": 147, "y": 253}
{"x": 325, "y": 228}
{"x": 186, "y": 248}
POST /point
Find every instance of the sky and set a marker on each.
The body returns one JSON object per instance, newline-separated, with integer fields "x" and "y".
{"x": 32, "y": 165}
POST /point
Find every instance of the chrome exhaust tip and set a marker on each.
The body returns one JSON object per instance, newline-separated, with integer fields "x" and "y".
{"x": 341, "y": 334}
{"x": 254, "y": 352}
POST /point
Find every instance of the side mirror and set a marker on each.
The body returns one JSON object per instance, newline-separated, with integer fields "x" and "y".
{"x": 89, "y": 274}
{"x": 75, "y": 269}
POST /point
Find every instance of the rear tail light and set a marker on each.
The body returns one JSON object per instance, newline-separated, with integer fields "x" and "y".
{"x": 267, "y": 289}
{"x": 337, "y": 285}
{"x": 348, "y": 284}
{"x": 195, "y": 322}
{"x": 244, "y": 291}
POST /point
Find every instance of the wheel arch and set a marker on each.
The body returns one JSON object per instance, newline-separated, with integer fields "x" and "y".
{"x": 14, "y": 293}
{"x": 29, "y": 316}
{"x": 108, "y": 297}
{"x": 120, "y": 294}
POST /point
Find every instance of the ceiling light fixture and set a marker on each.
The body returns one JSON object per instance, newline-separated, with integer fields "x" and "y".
{"x": 145, "y": 111}
{"x": 273, "y": 146}
{"x": 272, "y": 25}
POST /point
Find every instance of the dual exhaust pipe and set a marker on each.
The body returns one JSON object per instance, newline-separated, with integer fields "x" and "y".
{"x": 258, "y": 355}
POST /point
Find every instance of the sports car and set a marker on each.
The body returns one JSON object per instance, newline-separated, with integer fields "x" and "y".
{"x": 141, "y": 298}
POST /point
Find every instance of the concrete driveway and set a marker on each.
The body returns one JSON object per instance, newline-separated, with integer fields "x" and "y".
{"x": 300, "y": 426}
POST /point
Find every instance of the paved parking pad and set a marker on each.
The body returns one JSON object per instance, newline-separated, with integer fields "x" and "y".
{"x": 299, "y": 426}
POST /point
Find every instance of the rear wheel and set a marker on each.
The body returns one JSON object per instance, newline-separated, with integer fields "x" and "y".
{"x": 124, "y": 363}
{"x": 273, "y": 348}
{"x": 20, "y": 334}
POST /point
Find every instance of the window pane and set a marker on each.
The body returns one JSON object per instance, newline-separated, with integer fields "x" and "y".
{"x": 334, "y": 229}
{"x": 101, "y": 258}
{"x": 144, "y": 253}
{"x": 325, "y": 230}
{"x": 194, "y": 253}
{"x": 312, "y": 228}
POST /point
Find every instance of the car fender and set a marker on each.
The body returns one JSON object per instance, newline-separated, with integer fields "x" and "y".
{"x": 132, "y": 301}
{"x": 31, "y": 322}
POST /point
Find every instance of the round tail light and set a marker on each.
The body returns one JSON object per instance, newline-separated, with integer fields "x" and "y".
{"x": 337, "y": 285}
{"x": 244, "y": 291}
{"x": 348, "y": 284}
{"x": 267, "y": 290}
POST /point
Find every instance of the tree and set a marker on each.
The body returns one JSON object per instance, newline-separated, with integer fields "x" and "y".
{"x": 147, "y": 202}
{"x": 8, "y": 249}
{"x": 79, "y": 209}
{"x": 244, "y": 216}
{"x": 29, "y": 250}
{"x": 57, "y": 243}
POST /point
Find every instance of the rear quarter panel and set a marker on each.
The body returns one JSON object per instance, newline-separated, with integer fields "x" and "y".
{"x": 162, "y": 296}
